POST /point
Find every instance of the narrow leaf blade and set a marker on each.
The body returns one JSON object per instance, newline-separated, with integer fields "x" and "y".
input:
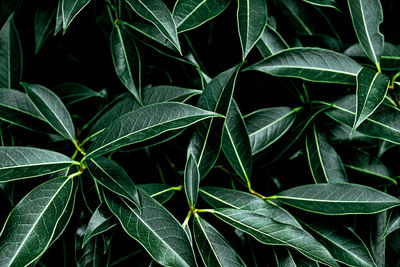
{"x": 191, "y": 181}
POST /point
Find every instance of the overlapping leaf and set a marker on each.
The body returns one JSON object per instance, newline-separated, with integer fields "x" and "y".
{"x": 164, "y": 93}
{"x": 271, "y": 42}
{"x": 323, "y": 3}
{"x": 160, "y": 192}
{"x": 191, "y": 181}
{"x": 70, "y": 9}
{"x": 43, "y": 26}
{"x": 393, "y": 222}
{"x": 71, "y": 93}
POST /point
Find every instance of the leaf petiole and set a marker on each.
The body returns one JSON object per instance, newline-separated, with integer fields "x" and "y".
{"x": 187, "y": 218}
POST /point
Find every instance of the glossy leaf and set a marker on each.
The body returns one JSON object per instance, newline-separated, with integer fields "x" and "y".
{"x": 265, "y": 126}
{"x": 367, "y": 15}
{"x": 323, "y": 3}
{"x": 191, "y": 181}
{"x": 156, "y": 230}
{"x": 160, "y": 192}
{"x": 112, "y": 176}
{"x": 338, "y": 199}
{"x": 252, "y": 18}
{"x": 288, "y": 258}
{"x": 298, "y": 15}
{"x": 126, "y": 60}
{"x": 377, "y": 243}
{"x": 213, "y": 248}
{"x": 27, "y": 162}
{"x": 59, "y": 18}
{"x": 236, "y": 143}
{"x": 145, "y": 123}
{"x": 31, "y": 224}
{"x": 310, "y": 64}
{"x": 189, "y": 14}
{"x": 271, "y": 42}
{"x": 70, "y": 9}
{"x": 156, "y": 12}
{"x": 269, "y": 231}
{"x": 43, "y": 26}
{"x": 371, "y": 91}
{"x": 205, "y": 143}
{"x": 325, "y": 164}
{"x": 11, "y": 55}
{"x": 164, "y": 93}
{"x": 393, "y": 223}
{"x": 52, "y": 109}
{"x": 71, "y": 93}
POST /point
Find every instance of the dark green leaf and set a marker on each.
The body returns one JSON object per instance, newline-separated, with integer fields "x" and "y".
{"x": 145, "y": 123}
{"x": 325, "y": 164}
{"x": 338, "y": 199}
{"x": 157, "y": 13}
{"x": 43, "y": 26}
{"x": 377, "y": 243}
{"x": 59, "y": 18}
{"x": 10, "y": 54}
{"x": 371, "y": 91}
{"x": 160, "y": 192}
{"x": 71, "y": 93}
{"x": 126, "y": 60}
{"x": 71, "y": 8}
{"x": 52, "y": 109}
{"x": 191, "y": 181}
{"x": 323, "y": 3}
{"x": 164, "y": 93}
{"x": 311, "y": 64}
{"x": 27, "y": 162}
{"x": 271, "y": 42}
{"x": 213, "y": 248}
{"x": 31, "y": 224}
{"x": 191, "y": 14}
{"x": 287, "y": 258}
{"x": 298, "y": 15}
{"x": 112, "y": 176}
{"x": 156, "y": 230}
{"x": 393, "y": 223}
{"x": 367, "y": 15}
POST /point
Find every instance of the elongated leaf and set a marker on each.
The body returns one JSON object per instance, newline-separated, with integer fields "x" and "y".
{"x": 43, "y": 26}
{"x": 112, "y": 176}
{"x": 70, "y": 9}
{"x": 236, "y": 143}
{"x": 10, "y": 54}
{"x": 145, "y": 123}
{"x": 299, "y": 16}
{"x": 190, "y": 14}
{"x": 377, "y": 243}
{"x": 252, "y": 18}
{"x": 192, "y": 181}
{"x": 205, "y": 143}
{"x": 325, "y": 164}
{"x": 338, "y": 199}
{"x": 271, "y": 42}
{"x": 219, "y": 197}
{"x": 59, "y": 18}
{"x": 269, "y": 231}
{"x": 367, "y": 15}
{"x": 265, "y": 126}
{"x": 31, "y": 224}
{"x": 311, "y": 64}
{"x": 27, "y": 162}
{"x": 213, "y": 248}
{"x": 156, "y": 230}
{"x": 100, "y": 222}
{"x": 286, "y": 257}
{"x": 52, "y": 109}
{"x": 156, "y": 12}
{"x": 343, "y": 244}
{"x": 384, "y": 123}
{"x": 71, "y": 93}
{"x": 164, "y": 93}
{"x": 323, "y": 3}
{"x": 126, "y": 60}
{"x": 371, "y": 91}
{"x": 393, "y": 223}
{"x": 160, "y": 192}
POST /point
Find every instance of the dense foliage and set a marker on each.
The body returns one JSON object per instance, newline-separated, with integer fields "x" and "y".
{"x": 210, "y": 133}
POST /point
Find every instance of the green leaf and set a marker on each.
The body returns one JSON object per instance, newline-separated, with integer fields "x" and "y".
{"x": 52, "y": 109}
{"x": 156, "y": 12}
{"x": 11, "y": 55}
{"x": 265, "y": 126}
{"x": 160, "y": 192}
{"x": 384, "y": 123}
{"x": 191, "y": 181}
{"x": 27, "y": 162}
{"x": 71, "y": 93}
{"x": 191, "y": 14}
{"x": 145, "y": 123}
{"x": 298, "y": 15}
{"x": 338, "y": 199}
{"x": 287, "y": 258}
{"x": 43, "y": 26}
{"x": 126, "y": 60}
{"x": 325, "y": 164}
{"x": 343, "y": 244}
{"x": 310, "y": 64}
{"x": 252, "y": 18}
{"x": 236, "y": 143}
{"x": 323, "y": 3}
{"x": 31, "y": 224}
{"x": 271, "y": 42}
{"x": 156, "y": 230}
{"x": 371, "y": 91}
{"x": 59, "y": 18}
{"x": 100, "y": 222}
{"x": 71, "y": 8}
{"x": 219, "y": 197}
{"x": 112, "y": 176}
{"x": 271, "y": 232}
{"x": 393, "y": 223}
{"x": 206, "y": 139}
{"x": 165, "y": 93}
{"x": 367, "y": 15}
{"x": 213, "y": 247}
{"x": 377, "y": 243}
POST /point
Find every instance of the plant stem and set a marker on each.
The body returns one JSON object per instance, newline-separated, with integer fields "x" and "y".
{"x": 187, "y": 218}
{"x": 203, "y": 210}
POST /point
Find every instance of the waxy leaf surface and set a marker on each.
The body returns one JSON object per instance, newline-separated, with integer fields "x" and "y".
{"x": 271, "y": 42}
{"x": 191, "y": 181}
{"x": 70, "y": 9}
